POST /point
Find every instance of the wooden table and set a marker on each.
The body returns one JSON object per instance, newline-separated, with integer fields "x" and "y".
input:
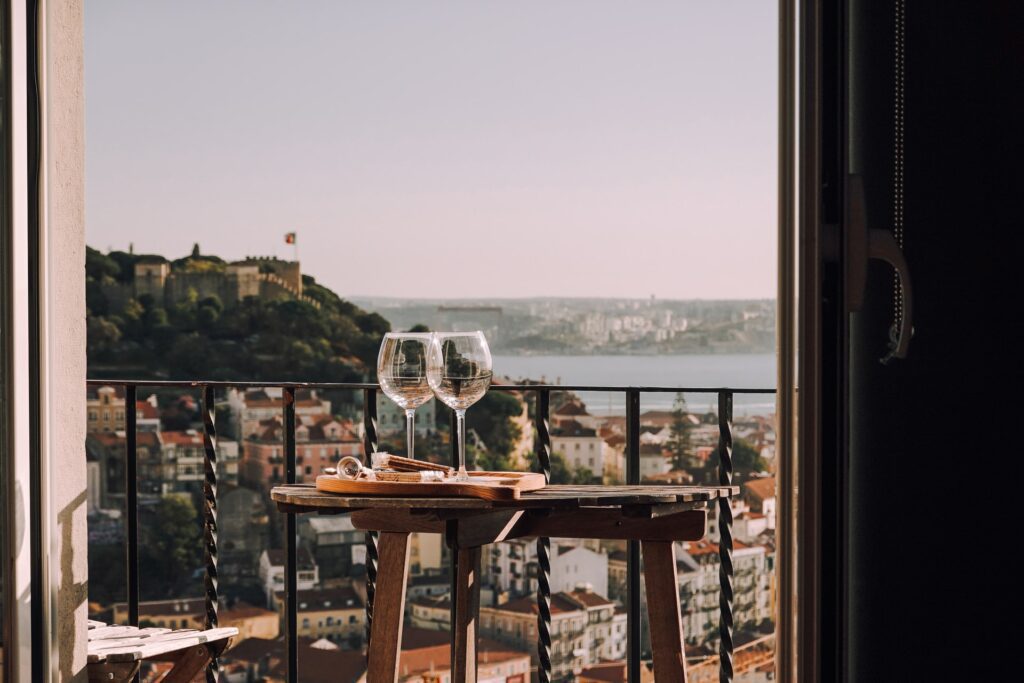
{"x": 657, "y": 516}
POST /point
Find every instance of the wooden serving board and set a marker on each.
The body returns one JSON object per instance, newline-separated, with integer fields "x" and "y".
{"x": 486, "y": 485}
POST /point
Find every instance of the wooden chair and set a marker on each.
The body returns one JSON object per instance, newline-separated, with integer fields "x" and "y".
{"x": 117, "y": 652}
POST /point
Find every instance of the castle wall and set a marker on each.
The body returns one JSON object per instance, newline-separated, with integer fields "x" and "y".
{"x": 238, "y": 281}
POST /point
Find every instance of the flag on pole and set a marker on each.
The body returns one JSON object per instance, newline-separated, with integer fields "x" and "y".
{"x": 289, "y": 238}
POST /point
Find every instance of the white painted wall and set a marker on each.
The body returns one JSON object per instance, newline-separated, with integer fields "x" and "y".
{"x": 64, "y": 301}
{"x": 579, "y": 566}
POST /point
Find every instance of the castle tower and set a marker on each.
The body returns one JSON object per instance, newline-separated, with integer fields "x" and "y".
{"x": 151, "y": 277}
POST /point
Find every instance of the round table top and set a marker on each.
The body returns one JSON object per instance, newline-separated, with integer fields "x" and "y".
{"x": 305, "y": 497}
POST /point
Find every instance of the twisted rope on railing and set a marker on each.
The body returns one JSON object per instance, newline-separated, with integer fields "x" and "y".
{"x": 210, "y": 518}
{"x": 370, "y": 538}
{"x": 542, "y": 448}
{"x": 725, "y": 570}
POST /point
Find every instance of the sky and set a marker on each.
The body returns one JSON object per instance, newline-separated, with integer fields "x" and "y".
{"x": 443, "y": 149}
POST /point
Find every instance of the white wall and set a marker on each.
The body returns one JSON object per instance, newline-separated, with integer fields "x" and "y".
{"x": 65, "y": 322}
{"x": 577, "y": 566}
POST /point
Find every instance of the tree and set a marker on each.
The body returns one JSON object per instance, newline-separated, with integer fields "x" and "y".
{"x": 582, "y": 475}
{"x": 195, "y": 337}
{"x": 171, "y": 547}
{"x": 100, "y": 267}
{"x": 492, "y": 418}
{"x": 746, "y": 458}
{"x": 560, "y": 472}
{"x": 678, "y": 442}
{"x": 419, "y": 328}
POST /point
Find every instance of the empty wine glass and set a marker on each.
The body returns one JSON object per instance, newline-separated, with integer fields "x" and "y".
{"x": 402, "y": 374}
{"x": 459, "y": 372}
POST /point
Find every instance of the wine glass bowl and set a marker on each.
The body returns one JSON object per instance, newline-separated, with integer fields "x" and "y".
{"x": 459, "y": 373}
{"x": 402, "y": 375}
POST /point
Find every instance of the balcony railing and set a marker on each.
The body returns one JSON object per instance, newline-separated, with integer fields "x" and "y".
{"x": 543, "y": 452}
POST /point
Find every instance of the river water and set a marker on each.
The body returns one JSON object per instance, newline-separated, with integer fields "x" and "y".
{"x": 755, "y": 370}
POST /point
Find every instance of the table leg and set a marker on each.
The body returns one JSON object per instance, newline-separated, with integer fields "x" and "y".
{"x": 663, "y": 611}
{"x": 467, "y": 614}
{"x": 388, "y": 605}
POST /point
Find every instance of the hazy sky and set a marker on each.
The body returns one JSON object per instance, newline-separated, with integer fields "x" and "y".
{"x": 443, "y": 149}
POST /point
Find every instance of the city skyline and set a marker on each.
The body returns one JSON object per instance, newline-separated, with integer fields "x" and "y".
{"x": 626, "y": 154}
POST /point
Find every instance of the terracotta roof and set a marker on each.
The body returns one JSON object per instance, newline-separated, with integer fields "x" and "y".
{"x": 761, "y": 488}
{"x": 108, "y": 439}
{"x": 146, "y": 410}
{"x": 147, "y": 439}
{"x": 573, "y": 428}
{"x": 612, "y": 672}
{"x": 320, "y": 599}
{"x": 528, "y": 605}
{"x": 589, "y": 598}
{"x": 572, "y": 408}
{"x": 190, "y": 438}
{"x": 695, "y": 548}
{"x": 651, "y": 449}
{"x": 322, "y": 666}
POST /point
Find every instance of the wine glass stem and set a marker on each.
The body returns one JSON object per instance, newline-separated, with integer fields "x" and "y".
{"x": 410, "y": 432}
{"x": 460, "y": 423}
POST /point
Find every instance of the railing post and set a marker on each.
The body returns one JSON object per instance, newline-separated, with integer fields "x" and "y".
{"x": 542, "y": 448}
{"x": 725, "y": 569}
{"x": 291, "y": 579}
{"x": 210, "y": 517}
{"x": 633, "y": 616}
{"x": 370, "y": 538}
{"x": 131, "y": 501}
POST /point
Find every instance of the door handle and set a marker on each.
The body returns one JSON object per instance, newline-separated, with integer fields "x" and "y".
{"x": 864, "y": 243}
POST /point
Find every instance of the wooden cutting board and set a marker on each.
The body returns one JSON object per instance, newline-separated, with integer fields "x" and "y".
{"x": 486, "y": 485}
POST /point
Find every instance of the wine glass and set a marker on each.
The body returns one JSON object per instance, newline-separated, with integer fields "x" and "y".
{"x": 459, "y": 372}
{"x": 402, "y": 374}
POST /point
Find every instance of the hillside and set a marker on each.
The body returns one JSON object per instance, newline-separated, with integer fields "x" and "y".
{"x": 200, "y": 317}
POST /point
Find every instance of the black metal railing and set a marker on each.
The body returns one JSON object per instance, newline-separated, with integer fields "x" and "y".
{"x": 542, "y": 451}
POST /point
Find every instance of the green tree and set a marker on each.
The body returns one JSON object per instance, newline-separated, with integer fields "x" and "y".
{"x": 582, "y": 475}
{"x": 678, "y": 442}
{"x": 100, "y": 267}
{"x": 492, "y": 418}
{"x": 560, "y": 472}
{"x": 745, "y": 458}
{"x": 170, "y": 547}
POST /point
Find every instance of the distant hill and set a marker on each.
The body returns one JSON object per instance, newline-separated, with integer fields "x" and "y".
{"x": 200, "y": 317}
